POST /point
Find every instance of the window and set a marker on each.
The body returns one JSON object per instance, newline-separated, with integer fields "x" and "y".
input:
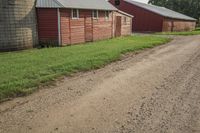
{"x": 11, "y": 2}
{"x": 107, "y": 14}
{"x": 95, "y": 14}
{"x": 75, "y": 13}
{"x": 117, "y": 2}
{"x": 125, "y": 20}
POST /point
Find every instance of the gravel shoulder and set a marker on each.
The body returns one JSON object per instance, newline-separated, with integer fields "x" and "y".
{"x": 154, "y": 91}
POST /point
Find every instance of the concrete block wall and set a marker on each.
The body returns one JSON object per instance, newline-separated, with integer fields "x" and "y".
{"x": 18, "y": 29}
{"x": 178, "y": 25}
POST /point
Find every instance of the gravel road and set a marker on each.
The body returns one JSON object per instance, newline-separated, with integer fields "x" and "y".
{"x": 154, "y": 91}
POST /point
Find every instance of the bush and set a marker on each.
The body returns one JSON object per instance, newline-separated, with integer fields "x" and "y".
{"x": 48, "y": 44}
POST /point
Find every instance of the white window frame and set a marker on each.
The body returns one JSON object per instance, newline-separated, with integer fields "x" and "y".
{"x": 97, "y": 14}
{"x": 77, "y": 13}
{"x": 107, "y": 13}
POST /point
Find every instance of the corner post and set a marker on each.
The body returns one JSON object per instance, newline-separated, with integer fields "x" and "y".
{"x": 59, "y": 31}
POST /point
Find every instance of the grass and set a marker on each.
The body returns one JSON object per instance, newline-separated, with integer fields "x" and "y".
{"x": 22, "y": 72}
{"x": 186, "y": 33}
{"x": 197, "y": 29}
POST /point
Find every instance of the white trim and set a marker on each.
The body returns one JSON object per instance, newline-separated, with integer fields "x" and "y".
{"x": 76, "y": 14}
{"x": 97, "y": 14}
{"x": 119, "y": 11}
{"x": 59, "y": 31}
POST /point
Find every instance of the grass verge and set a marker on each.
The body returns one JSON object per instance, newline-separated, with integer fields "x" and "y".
{"x": 22, "y": 72}
{"x": 186, "y": 33}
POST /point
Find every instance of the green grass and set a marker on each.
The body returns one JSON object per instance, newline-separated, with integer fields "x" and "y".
{"x": 187, "y": 33}
{"x": 197, "y": 29}
{"x": 22, "y": 72}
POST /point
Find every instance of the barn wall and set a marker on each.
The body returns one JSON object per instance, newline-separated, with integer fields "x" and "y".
{"x": 65, "y": 26}
{"x": 73, "y": 31}
{"x": 47, "y": 25}
{"x": 85, "y": 28}
{"x": 102, "y": 27}
{"x": 77, "y": 28}
{"x": 88, "y": 26}
{"x": 167, "y": 26}
{"x": 126, "y": 23}
{"x": 178, "y": 25}
{"x": 143, "y": 20}
{"x": 126, "y": 26}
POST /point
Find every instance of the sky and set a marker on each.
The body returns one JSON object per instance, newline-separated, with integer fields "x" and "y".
{"x": 144, "y": 1}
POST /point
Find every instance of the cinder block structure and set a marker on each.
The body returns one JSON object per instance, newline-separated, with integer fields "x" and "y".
{"x": 17, "y": 25}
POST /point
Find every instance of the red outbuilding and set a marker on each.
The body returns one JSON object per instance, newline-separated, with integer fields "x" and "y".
{"x": 151, "y": 18}
{"x": 67, "y": 22}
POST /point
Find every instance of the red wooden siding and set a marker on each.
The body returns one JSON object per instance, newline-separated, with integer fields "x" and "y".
{"x": 147, "y": 21}
{"x": 143, "y": 20}
{"x": 47, "y": 25}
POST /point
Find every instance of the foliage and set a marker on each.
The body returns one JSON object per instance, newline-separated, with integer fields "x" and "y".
{"x": 188, "y": 7}
{"x": 197, "y": 29}
{"x": 47, "y": 44}
{"x": 186, "y": 33}
{"x": 21, "y": 72}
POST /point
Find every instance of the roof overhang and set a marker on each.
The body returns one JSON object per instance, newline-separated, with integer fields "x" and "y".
{"x": 75, "y": 4}
{"x": 138, "y": 4}
{"x": 124, "y": 13}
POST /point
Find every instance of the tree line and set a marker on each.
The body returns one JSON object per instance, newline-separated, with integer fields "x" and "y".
{"x": 188, "y": 7}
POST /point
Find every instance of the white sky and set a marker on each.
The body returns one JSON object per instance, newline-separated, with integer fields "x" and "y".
{"x": 144, "y": 1}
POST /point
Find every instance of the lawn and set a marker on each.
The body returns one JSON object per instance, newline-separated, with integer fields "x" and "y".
{"x": 22, "y": 72}
{"x": 187, "y": 33}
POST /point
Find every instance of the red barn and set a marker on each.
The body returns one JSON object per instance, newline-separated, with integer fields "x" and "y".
{"x": 150, "y": 18}
{"x": 68, "y": 22}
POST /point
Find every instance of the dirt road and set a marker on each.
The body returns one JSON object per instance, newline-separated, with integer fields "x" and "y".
{"x": 155, "y": 91}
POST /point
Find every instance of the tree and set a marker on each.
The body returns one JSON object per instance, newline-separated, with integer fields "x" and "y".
{"x": 188, "y": 7}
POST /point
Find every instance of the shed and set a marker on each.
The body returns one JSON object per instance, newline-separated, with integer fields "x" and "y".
{"x": 122, "y": 23}
{"x": 67, "y": 22}
{"x": 151, "y": 18}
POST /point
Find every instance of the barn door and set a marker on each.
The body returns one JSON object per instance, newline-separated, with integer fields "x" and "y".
{"x": 118, "y": 26}
{"x": 88, "y": 29}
